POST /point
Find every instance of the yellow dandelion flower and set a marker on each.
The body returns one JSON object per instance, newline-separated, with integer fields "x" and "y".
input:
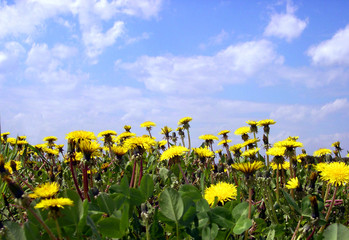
{"x": 247, "y": 167}
{"x": 51, "y": 151}
{"x": 147, "y": 124}
{"x": 336, "y": 173}
{"x": 184, "y": 120}
{"x": 119, "y": 150}
{"x": 288, "y": 144}
{"x": 321, "y": 152}
{"x": 276, "y": 151}
{"x": 222, "y": 190}
{"x": 208, "y": 137}
{"x": 54, "y": 203}
{"x": 252, "y": 123}
{"x": 144, "y": 142}
{"x": 80, "y": 135}
{"x": 203, "y": 152}
{"x": 224, "y": 142}
{"x": 320, "y": 166}
{"x": 250, "y": 141}
{"x": 266, "y": 122}
{"x": 92, "y": 171}
{"x": 5, "y": 134}
{"x": 50, "y": 139}
{"x": 218, "y": 151}
{"x": 46, "y": 190}
{"x": 162, "y": 143}
{"x": 223, "y": 132}
{"x": 21, "y": 142}
{"x": 293, "y": 183}
{"x": 236, "y": 147}
{"x": 250, "y": 152}
{"x": 294, "y": 138}
{"x": 107, "y": 133}
{"x": 301, "y": 157}
{"x": 11, "y": 141}
{"x": 166, "y": 130}
{"x": 89, "y": 147}
{"x": 174, "y": 151}
{"x": 17, "y": 164}
{"x": 285, "y": 165}
{"x": 336, "y": 144}
{"x": 123, "y": 136}
{"x": 242, "y": 130}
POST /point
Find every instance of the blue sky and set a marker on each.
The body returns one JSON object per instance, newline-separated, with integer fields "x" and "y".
{"x": 97, "y": 65}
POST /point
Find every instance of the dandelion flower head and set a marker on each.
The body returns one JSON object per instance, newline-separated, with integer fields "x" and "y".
{"x": 208, "y": 137}
{"x": 148, "y": 124}
{"x": 322, "y": 152}
{"x": 222, "y": 190}
{"x": 172, "y": 152}
{"x": 54, "y": 203}
{"x": 336, "y": 173}
{"x": 46, "y": 190}
{"x": 184, "y": 120}
{"x": 203, "y": 152}
{"x": 242, "y": 130}
{"x": 293, "y": 183}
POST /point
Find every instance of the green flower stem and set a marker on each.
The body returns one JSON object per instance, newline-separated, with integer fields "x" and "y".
{"x": 182, "y": 137}
{"x": 183, "y": 174}
{"x": 133, "y": 173}
{"x": 149, "y": 132}
{"x": 249, "y": 202}
{"x": 268, "y": 199}
{"x": 296, "y": 230}
{"x": 267, "y": 148}
{"x": 48, "y": 230}
{"x": 277, "y": 183}
{"x": 228, "y": 152}
{"x": 329, "y": 209}
{"x": 136, "y": 175}
{"x": 58, "y": 229}
{"x": 188, "y": 139}
{"x": 74, "y": 178}
{"x": 85, "y": 182}
{"x": 327, "y": 191}
{"x": 140, "y": 172}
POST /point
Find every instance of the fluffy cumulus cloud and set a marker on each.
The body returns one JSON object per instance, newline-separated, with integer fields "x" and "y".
{"x": 10, "y": 57}
{"x": 297, "y": 113}
{"x": 27, "y": 17}
{"x": 286, "y": 25}
{"x": 334, "y": 51}
{"x": 195, "y": 74}
{"x": 49, "y": 66}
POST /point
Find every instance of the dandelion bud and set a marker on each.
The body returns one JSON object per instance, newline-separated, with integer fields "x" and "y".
{"x": 95, "y": 191}
{"x": 5, "y": 200}
{"x": 13, "y": 166}
{"x": 266, "y": 129}
{"x": 15, "y": 189}
{"x": 303, "y": 151}
{"x": 2, "y": 165}
{"x": 314, "y": 206}
{"x": 265, "y": 140}
{"x": 71, "y": 146}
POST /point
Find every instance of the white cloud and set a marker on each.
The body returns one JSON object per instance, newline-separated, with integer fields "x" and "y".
{"x": 333, "y": 51}
{"x": 204, "y": 73}
{"x": 215, "y": 40}
{"x": 10, "y": 58}
{"x": 47, "y": 66}
{"x": 96, "y": 41}
{"x": 286, "y": 25}
{"x": 297, "y": 113}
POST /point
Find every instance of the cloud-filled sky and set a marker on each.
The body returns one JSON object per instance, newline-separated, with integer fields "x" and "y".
{"x": 97, "y": 65}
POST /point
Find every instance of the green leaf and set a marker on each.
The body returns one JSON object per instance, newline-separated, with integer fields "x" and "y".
{"x": 136, "y": 197}
{"x": 83, "y": 216}
{"x": 14, "y": 232}
{"x": 189, "y": 211}
{"x": 271, "y": 234}
{"x": 221, "y": 216}
{"x": 240, "y": 210}
{"x": 191, "y": 192}
{"x": 242, "y": 225}
{"x": 147, "y": 186}
{"x": 31, "y": 231}
{"x": 210, "y": 233}
{"x": 171, "y": 204}
{"x": 110, "y": 227}
{"x": 202, "y": 206}
{"x": 336, "y": 231}
{"x": 291, "y": 201}
{"x": 106, "y": 203}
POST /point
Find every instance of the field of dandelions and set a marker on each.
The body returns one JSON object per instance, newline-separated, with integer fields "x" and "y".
{"x": 123, "y": 186}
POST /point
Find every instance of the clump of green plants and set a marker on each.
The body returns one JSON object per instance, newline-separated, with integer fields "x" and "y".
{"x": 124, "y": 186}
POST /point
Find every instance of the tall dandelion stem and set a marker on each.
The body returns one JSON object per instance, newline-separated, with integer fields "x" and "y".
{"x": 85, "y": 182}
{"x": 183, "y": 174}
{"x": 189, "y": 143}
{"x": 48, "y": 230}
{"x": 330, "y": 208}
{"x": 277, "y": 182}
{"x": 58, "y": 229}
